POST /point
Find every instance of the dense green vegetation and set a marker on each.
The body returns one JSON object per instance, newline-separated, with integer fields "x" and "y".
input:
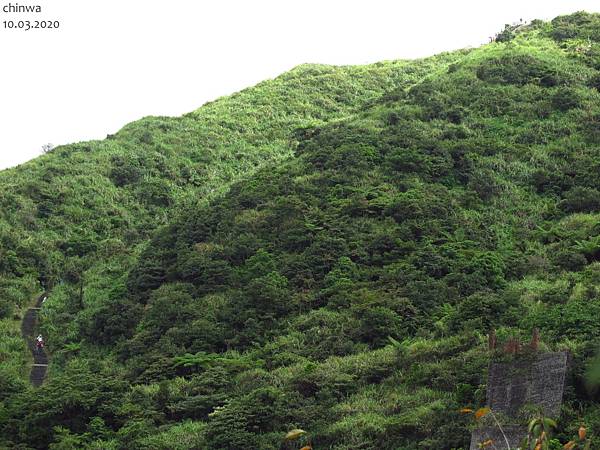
{"x": 74, "y": 220}
{"x": 336, "y": 244}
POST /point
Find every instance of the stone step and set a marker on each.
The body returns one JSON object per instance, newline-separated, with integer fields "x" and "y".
{"x": 38, "y": 373}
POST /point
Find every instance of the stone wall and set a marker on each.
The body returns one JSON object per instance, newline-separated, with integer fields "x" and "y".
{"x": 538, "y": 380}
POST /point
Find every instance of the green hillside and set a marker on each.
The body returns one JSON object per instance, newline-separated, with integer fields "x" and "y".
{"x": 337, "y": 243}
{"x": 79, "y": 215}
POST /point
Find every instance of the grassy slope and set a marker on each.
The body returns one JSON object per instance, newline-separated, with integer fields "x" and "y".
{"x": 70, "y": 201}
{"x": 122, "y": 187}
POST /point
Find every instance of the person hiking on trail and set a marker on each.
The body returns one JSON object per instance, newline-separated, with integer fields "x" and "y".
{"x": 39, "y": 343}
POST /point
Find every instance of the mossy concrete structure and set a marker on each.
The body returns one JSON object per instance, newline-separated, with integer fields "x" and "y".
{"x": 529, "y": 380}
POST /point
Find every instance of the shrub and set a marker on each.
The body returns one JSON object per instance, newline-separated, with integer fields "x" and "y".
{"x": 482, "y": 311}
{"x": 519, "y": 69}
{"x": 124, "y": 171}
{"x": 566, "y": 98}
{"x": 507, "y": 34}
{"x": 6, "y": 309}
{"x": 594, "y": 82}
{"x": 580, "y": 199}
{"x": 155, "y": 192}
{"x": 578, "y": 25}
{"x": 569, "y": 260}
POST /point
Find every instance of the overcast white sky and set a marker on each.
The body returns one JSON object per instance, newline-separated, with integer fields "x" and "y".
{"x": 115, "y": 61}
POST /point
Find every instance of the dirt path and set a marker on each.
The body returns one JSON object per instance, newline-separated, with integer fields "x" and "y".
{"x": 40, "y": 358}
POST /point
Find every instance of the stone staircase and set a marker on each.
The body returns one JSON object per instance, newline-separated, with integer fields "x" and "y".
{"x": 40, "y": 357}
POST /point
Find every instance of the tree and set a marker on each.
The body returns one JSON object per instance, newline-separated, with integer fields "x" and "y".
{"x": 47, "y": 148}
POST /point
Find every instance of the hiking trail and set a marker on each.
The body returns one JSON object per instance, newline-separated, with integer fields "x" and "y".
{"x": 40, "y": 358}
